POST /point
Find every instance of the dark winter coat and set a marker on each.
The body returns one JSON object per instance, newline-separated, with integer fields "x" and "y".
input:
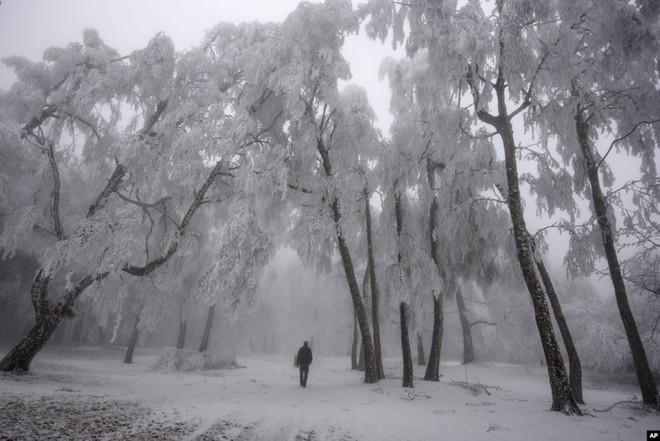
{"x": 304, "y": 356}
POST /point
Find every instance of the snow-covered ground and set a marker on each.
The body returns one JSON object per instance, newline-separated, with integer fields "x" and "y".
{"x": 88, "y": 393}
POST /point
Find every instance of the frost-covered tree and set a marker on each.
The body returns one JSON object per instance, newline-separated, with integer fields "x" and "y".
{"x": 495, "y": 59}
{"x": 313, "y": 136}
{"x": 110, "y": 160}
{"x": 606, "y": 95}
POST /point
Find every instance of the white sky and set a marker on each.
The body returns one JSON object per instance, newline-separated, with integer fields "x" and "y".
{"x": 28, "y": 27}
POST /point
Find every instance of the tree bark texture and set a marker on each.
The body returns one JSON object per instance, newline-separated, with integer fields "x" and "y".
{"x": 433, "y": 366}
{"x": 204, "y": 345}
{"x": 354, "y": 344}
{"x": 574, "y": 365}
{"x": 468, "y": 347}
{"x": 21, "y": 355}
{"x": 562, "y": 396}
{"x": 375, "y": 295}
{"x": 405, "y": 347}
{"x": 640, "y": 361}
{"x": 128, "y": 358}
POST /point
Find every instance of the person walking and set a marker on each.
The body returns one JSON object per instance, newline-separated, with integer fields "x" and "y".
{"x": 303, "y": 360}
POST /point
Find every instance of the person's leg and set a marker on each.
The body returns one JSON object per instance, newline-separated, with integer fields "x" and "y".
{"x": 305, "y": 376}
{"x": 301, "y": 374}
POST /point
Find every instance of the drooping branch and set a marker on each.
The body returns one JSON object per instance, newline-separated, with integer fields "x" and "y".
{"x": 621, "y": 138}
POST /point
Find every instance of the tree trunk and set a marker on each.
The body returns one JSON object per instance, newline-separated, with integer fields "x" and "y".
{"x": 640, "y": 361}
{"x": 354, "y": 344}
{"x": 405, "y": 347}
{"x": 21, "y": 355}
{"x": 574, "y": 365}
{"x": 562, "y": 396}
{"x": 131, "y": 344}
{"x": 204, "y": 345}
{"x": 421, "y": 358}
{"x": 375, "y": 320}
{"x": 433, "y": 366}
{"x": 468, "y": 347}
{"x": 181, "y": 340}
{"x": 370, "y": 374}
{"x": 361, "y": 361}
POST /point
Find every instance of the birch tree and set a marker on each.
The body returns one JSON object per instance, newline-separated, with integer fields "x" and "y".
{"x": 496, "y": 61}
{"x": 101, "y": 179}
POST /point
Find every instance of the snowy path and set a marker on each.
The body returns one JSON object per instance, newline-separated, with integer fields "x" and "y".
{"x": 90, "y": 394}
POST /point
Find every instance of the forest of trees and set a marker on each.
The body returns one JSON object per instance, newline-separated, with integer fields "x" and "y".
{"x": 157, "y": 186}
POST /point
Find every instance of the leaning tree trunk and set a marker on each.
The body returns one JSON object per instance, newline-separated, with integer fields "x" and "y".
{"x": 21, "y": 355}
{"x": 131, "y": 344}
{"x": 204, "y": 345}
{"x": 375, "y": 320}
{"x": 574, "y": 365}
{"x": 433, "y": 366}
{"x": 48, "y": 318}
{"x": 370, "y": 373}
{"x": 640, "y": 361}
{"x": 562, "y": 396}
{"x": 354, "y": 344}
{"x": 405, "y": 347}
{"x": 468, "y": 347}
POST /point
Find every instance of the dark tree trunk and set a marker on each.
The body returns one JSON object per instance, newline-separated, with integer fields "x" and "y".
{"x": 365, "y": 298}
{"x": 562, "y": 396}
{"x": 370, "y": 373}
{"x": 131, "y": 344}
{"x": 21, "y": 355}
{"x": 640, "y": 361}
{"x": 375, "y": 320}
{"x": 433, "y": 366}
{"x": 405, "y": 347}
{"x": 181, "y": 340}
{"x": 468, "y": 347}
{"x": 204, "y": 345}
{"x": 361, "y": 361}
{"x": 574, "y": 365}
{"x": 421, "y": 358}
{"x": 48, "y": 318}
{"x": 354, "y": 344}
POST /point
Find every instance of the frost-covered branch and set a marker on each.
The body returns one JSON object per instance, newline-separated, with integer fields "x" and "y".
{"x": 55, "y": 206}
{"x": 621, "y": 138}
{"x": 181, "y": 229}
{"x": 111, "y": 187}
